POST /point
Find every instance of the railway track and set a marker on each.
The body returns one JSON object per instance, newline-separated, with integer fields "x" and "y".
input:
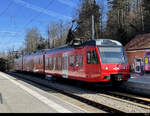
{"x": 79, "y": 98}
{"x": 118, "y": 96}
{"x": 123, "y": 95}
{"x": 139, "y": 100}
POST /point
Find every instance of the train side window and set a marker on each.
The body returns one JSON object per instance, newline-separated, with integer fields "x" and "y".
{"x": 54, "y": 65}
{"x": 79, "y": 60}
{"x": 88, "y": 57}
{"x": 59, "y": 63}
{"x": 94, "y": 57}
{"x": 63, "y": 60}
{"x": 64, "y": 63}
{"x": 71, "y": 60}
{"x": 50, "y": 63}
{"x": 39, "y": 61}
{"x": 33, "y": 63}
{"x": 46, "y": 63}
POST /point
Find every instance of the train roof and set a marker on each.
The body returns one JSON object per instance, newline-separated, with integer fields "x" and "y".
{"x": 97, "y": 42}
{"x": 102, "y": 42}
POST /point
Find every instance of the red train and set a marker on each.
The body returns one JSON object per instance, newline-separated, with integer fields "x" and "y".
{"x": 99, "y": 60}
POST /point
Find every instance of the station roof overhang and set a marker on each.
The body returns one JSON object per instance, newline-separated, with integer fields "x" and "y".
{"x": 139, "y": 50}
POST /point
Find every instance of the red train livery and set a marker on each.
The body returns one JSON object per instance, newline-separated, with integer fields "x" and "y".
{"x": 101, "y": 60}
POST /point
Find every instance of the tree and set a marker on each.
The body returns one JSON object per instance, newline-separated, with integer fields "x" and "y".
{"x": 3, "y": 64}
{"x": 57, "y": 33}
{"x": 103, "y": 11}
{"x": 125, "y": 17}
{"x": 41, "y": 43}
{"x": 146, "y": 5}
{"x": 86, "y": 9}
{"x": 32, "y": 39}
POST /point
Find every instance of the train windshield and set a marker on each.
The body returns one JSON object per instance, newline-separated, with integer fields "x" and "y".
{"x": 112, "y": 55}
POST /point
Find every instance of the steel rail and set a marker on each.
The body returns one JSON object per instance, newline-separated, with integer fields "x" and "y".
{"x": 129, "y": 97}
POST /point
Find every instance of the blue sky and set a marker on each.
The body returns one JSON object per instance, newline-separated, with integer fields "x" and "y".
{"x": 15, "y": 16}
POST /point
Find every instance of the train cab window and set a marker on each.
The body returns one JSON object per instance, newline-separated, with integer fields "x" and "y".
{"x": 94, "y": 57}
{"x": 89, "y": 57}
{"x": 79, "y": 60}
{"x": 71, "y": 60}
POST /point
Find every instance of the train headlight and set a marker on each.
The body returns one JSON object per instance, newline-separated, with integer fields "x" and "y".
{"x": 106, "y": 68}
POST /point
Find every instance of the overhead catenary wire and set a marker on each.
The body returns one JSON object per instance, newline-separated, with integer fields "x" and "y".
{"x": 35, "y": 17}
{"x": 5, "y": 10}
{"x": 38, "y": 15}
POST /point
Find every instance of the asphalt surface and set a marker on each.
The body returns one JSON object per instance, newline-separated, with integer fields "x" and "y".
{"x": 17, "y": 96}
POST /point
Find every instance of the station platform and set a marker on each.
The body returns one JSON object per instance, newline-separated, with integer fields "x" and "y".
{"x": 139, "y": 84}
{"x": 17, "y": 96}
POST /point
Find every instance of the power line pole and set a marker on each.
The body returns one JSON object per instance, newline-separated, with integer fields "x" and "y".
{"x": 93, "y": 22}
{"x": 93, "y": 28}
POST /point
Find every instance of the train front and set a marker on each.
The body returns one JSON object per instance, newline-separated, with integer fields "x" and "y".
{"x": 114, "y": 64}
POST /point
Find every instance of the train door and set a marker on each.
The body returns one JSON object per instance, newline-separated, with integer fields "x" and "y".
{"x": 65, "y": 66}
{"x": 79, "y": 68}
{"x": 44, "y": 63}
{"x": 93, "y": 65}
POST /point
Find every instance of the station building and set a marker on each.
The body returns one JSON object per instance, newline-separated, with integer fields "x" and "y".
{"x": 137, "y": 48}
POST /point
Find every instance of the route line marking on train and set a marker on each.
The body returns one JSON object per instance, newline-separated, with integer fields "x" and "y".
{"x": 43, "y": 99}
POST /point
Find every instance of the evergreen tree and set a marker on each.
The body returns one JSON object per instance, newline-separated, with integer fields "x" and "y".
{"x": 125, "y": 17}
{"x": 146, "y": 5}
{"x": 84, "y": 30}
